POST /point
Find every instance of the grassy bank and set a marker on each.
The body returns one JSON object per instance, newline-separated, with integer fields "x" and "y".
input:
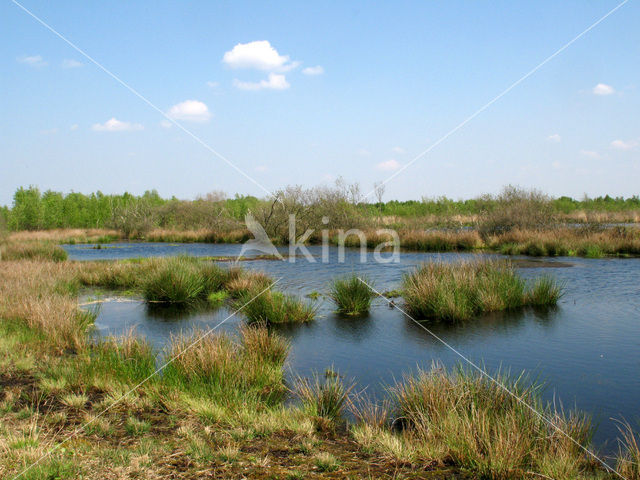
{"x": 218, "y": 410}
{"x": 461, "y": 290}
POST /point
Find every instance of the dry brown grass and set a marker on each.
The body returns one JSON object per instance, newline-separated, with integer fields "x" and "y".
{"x": 63, "y": 235}
{"x": 33, "y": 291}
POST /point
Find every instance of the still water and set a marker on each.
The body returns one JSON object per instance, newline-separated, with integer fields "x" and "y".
{"x": 587, "y": 350}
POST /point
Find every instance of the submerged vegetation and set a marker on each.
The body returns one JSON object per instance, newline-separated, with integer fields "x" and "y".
{"x": 351, "y": 295}
{"x": 458, "y": 291}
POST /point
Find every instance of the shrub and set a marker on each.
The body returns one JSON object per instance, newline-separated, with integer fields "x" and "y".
{"x": 351, "y": 295}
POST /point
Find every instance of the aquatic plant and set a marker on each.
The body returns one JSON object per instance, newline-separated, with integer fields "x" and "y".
{"x": 274, "y": 307}
{"x": 352, "y": 295}
{"x": 32, "y": 251}
{"x": 458, "y": 291}
{"x": 178, "y": 281}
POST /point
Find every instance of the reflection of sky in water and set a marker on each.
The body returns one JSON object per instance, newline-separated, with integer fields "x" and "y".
{"x": 587, "y": 349}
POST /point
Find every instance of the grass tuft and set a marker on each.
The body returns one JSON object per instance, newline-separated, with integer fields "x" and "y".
{"x": 274, "y": 307}
{"x": 351, "y": 295}
{"x": 323, "y": 397}
{"x": 458, "y": 291}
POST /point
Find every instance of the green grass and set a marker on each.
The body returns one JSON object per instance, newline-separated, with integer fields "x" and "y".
{"x": 459, "y": 291}
{"x": 483, "y": 428}
{"x": 323, "y": 396}
{"x": 274, "y": 307}
{"x": 216, "y": 299}
{"x": 351, "y": 295}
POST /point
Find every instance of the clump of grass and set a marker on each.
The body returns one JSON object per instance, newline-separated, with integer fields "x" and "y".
{"x": 236, "y": 373}
{"x": 274, "y": 307}
{"x": 323, "y": 397}
{"x": 545, "y": 291}
{"x": 75, "y": 400}
{"x": 326, "y": 462}
{"x": 478, "y": 425}
{"x": 178, "y": 281}
{"x": 352, "y": 295}
{"x": 127, "y": 358}
{"x": 458, "y": 291}
{"x": 628, "y": 459}
{"x": 216, "y": 299}
{"x": 241, "y": 282}
{"x": 135, "y": 426}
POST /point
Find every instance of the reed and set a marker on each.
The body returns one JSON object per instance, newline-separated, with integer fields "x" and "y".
{"x": 351, "y": 295}
{"x": 458, "y": 291}
{"x": 628, "y": 459}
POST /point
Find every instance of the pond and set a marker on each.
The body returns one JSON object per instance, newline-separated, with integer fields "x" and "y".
{"x": 587, "y": 350}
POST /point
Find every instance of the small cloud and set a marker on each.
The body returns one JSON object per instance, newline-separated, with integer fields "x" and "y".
{"x": 74, "y": 127}
{"x": 166, "y": 124}
{"x": 50, "y": 131}
{"x": 398, "y": 150}
{"x": 259, "y": 55}
{"x": 190, "y": 110}
{"x": 213, "y": 84}
{"x": 589, "y": 154}
{"x": 389, "y": 165}
{"x": 363, "y": 152}
{"x": 555, "y": 138}
{"x": 556, "y": 165}
{"x": 317, "y": 70}
{"x": 622, "y": 145}
{"x": 603, "y": 89}
{"x": 261, "y": 168}
{"x": 114, "y": 125}
{"x": 70, "y": 63}
{"x": 274, "y": 82}
{"x": 33, "y": 61}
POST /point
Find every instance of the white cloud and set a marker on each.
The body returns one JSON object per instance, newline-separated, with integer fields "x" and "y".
{"x": 317, "y": 70}
{"x": 389, "y": 165}
{"x": 398, "y": 150}
{"x": 589, "y": 153}
{"x": 50, "y": 131}
{"x": 114, "y": 125}
{"x": 166, "y": 124}
{"x": 213, "y": 84}
{"x": 74, "y": 127}
{"x": 622, "y": 145}
{"x": 556, "y": 165}
{"x": 33, "y": 61}
{"x": 190, "y": 110}
{"x": 261, "y": 168}
{"x": 70, "y": 63}
{"x": 363, "y": 152}
{"x": 274, "y": 82}
{"x": 555, "y": 138}
{"x": 259, "y": 55}
{"x": 603, "y": 89}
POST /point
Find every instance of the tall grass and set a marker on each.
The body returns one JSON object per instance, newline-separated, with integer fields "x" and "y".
{"x": 458, "y": 291}
{"x": 32, "y": 251}
{"x": 325, "y": 397}
{"x": 628, "y": 460}
{"x": 480, "y": 426}
{"x": 351, "y": 295}
{"x": 247, "y": 372}
{"x": 183, "y": 280}
{"x": 274, "y": 307}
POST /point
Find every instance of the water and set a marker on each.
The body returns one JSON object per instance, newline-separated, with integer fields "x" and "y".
{"x": 587, "y": 350}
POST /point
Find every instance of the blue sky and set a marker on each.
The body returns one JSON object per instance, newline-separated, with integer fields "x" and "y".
{"x": 301, "y": 93}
